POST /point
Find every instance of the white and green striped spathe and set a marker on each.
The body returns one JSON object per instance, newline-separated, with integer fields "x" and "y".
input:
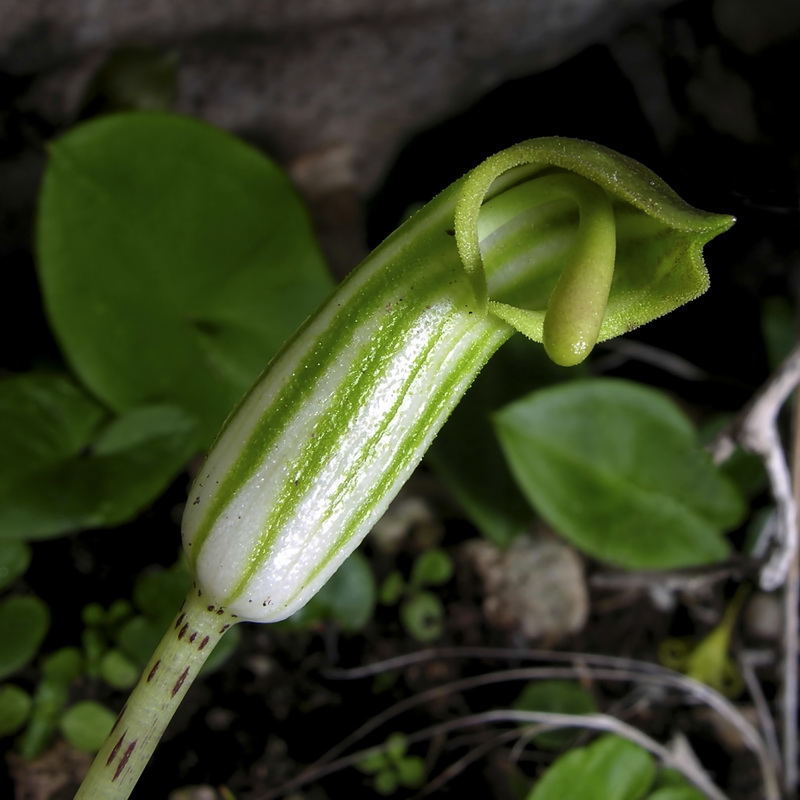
{"x": 563, "y": 240}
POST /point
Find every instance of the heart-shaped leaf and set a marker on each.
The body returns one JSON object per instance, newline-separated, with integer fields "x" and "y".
{"x": 174, "y": 261}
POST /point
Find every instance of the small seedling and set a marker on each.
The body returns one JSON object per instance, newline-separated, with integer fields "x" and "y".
{"x": 421, "y": 611}
{"x": 392, "y": 768}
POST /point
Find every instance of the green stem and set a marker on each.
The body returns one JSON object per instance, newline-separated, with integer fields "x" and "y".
{"x": 175, "y": 664}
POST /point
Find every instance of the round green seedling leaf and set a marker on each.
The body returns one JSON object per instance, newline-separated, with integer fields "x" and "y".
{"x": 174, "y": 261}
{"x": 423, "y": 616}
{"x": 24, "y": 622}
{"x": 86, "y": 725}
{"x": 93, "y": 615}
{"x": 117, "y": 670}
{"x": 411, "y": 771}
{"x": 396, "y": 745}
{"x": 385, "y": 782}
{"x": 616, "y": 468}
{"x": 15, "y": 558}
{"x": 63, "y": 666}
{"x": 15, "y": 707}
{"x": 432, "y": 568}
{"x": 373, "y": 762}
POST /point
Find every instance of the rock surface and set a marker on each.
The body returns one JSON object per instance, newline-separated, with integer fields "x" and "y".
{"x": 352, "y": 76}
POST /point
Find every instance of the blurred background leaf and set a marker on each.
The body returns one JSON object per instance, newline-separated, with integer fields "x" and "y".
{"x": 174, "y": 260}
{"x": 616, "y": 468}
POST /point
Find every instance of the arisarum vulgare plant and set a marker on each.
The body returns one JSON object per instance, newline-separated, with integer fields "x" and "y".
{"x": 562, "y": 240}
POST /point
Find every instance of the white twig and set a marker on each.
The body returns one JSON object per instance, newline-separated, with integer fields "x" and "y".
{"x": 791, "y": 631}
{"x": 621, "y": 350}
{"x": 544, "y": 721}
{"x": 748, "y": 661}
{"x": 547, "y": 721}
{"x": 757, "y": 431}
{"x": 604, "y": 667}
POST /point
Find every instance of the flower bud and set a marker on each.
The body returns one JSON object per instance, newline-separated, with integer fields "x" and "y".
{"x": 565, "y": 241}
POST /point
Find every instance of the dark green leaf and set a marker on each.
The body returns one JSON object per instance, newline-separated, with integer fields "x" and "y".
{"x": 373, "y": 762}
{"x": 386, "y": 782}
{"x": 63, "y": 666}
{"x": 779, "y": 328}
{"x": 14, "y": 560}
{"x": 46, "y": 419}
{"x": 117, "y": 670}
{"x": 396, "y": 745}
{"x": 174, "y": 261}
{"x": 93, "y": 615}
{"x": 23, "y": 624}
{"x": 63, "y": 467}
{"x": 615, "y": 468}
{"x": 138, "y": 638}
{"x": 744, "y": 469}
{"x": 465, "y": 454}
{"x": 609, "y": 769}
{"x": 15, "y": 706}
{"x": 411, "y": 772}
{"x": 159, "y": 595}
{"x": 118, "y": 612}
{"x": 59, "y": 670}
{"x": 94, "y": 645}
{"x": 349, "y": 597}
{"x": 86, "y": 725}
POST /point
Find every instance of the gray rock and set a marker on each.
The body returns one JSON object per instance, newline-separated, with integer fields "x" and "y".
{"x": 352, "y": 76}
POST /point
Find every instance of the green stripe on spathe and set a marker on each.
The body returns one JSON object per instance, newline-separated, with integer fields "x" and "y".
{"x": 357, "y": 388}
{"x": 344, "y": 328}
{"x": 424, "y": 285}
{"x": 442, "y": 401}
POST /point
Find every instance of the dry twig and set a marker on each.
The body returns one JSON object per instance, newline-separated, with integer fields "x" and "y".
{"x": 756, "y": 430}
{"x": 603, "y": 667}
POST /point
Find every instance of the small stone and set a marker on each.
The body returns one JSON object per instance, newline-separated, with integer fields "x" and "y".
{"x": 763, "y": 617}
{"x": 537, "y": 587}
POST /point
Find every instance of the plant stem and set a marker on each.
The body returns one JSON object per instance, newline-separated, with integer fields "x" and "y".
{"x": 175, "y": 664}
